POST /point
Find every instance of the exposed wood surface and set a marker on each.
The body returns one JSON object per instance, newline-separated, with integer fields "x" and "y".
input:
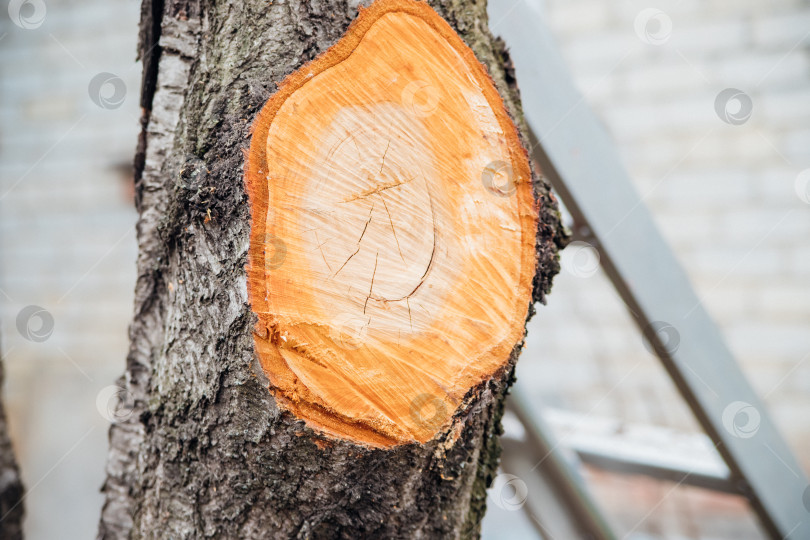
{"x": 393, "y": 230}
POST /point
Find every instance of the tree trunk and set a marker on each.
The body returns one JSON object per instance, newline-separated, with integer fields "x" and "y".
{"x": 205, "y": 445}
{"x": 11, "y": 487}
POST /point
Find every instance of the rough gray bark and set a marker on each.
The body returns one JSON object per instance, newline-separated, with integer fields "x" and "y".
{"x": 205, "y": 452}
{"x": 11, "y": 487}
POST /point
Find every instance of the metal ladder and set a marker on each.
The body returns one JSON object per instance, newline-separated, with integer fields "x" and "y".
{"x": 578, "y": 157}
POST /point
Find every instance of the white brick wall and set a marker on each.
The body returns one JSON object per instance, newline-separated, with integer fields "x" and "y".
{"x": 66, "y": 244}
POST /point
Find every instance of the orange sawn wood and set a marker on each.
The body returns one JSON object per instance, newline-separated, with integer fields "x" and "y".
{"x": 392, "y": 245}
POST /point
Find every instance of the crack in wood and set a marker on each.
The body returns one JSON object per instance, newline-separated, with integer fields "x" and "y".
{"x": 376, "y": 189}
{"x": 371, "y": 287}
{"x": 370, "y": 216}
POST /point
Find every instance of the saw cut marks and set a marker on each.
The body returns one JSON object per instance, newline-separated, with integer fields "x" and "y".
{"x": 392, "y": 245}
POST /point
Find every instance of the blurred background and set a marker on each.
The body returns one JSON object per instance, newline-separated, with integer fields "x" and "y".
{"x": 732, "y": 201}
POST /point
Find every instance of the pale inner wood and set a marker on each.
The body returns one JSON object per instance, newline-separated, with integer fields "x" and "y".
{"x": 404, "y": 280}
{"x": 370, "y": 214}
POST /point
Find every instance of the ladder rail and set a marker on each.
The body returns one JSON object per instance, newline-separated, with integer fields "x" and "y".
{"x": 579, "y": 158}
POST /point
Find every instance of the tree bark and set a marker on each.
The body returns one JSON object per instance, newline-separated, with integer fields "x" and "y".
{"x": 203, "y": 449}
{"x": 11, "y": 487}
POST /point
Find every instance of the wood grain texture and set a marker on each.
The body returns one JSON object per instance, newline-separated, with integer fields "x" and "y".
{"x": 393, "y": 230}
